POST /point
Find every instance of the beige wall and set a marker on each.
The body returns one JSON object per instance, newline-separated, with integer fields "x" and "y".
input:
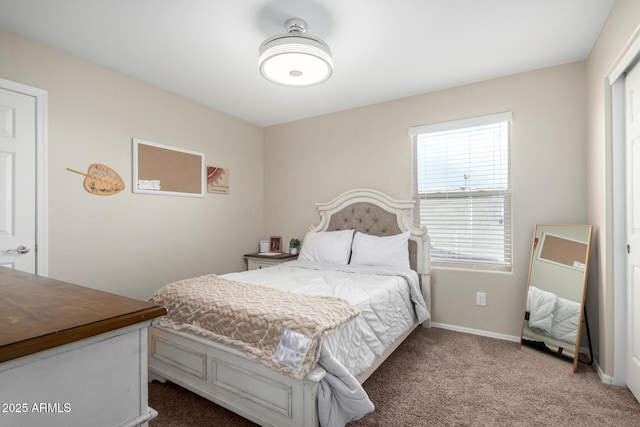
{"x": 621, "y": 24}
{"x": 131, "y": 244}
{"x": 315, "y": 159}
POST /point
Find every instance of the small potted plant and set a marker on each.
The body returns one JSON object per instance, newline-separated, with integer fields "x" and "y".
{"x": 294, "y": 244}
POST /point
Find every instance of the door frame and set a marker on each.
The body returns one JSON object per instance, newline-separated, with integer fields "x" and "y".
{"x": 42, "y": 189}
{"x": 616, "y": 80}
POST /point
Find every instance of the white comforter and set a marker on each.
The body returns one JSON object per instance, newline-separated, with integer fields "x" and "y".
{"x": 390, "y": 303}
{"x": 553, "y": 316}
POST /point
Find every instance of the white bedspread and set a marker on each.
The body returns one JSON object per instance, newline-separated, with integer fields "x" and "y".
{"x": 542, "y": 304}
{"x": 553, "y": 316}
{"x": 390, "y": 303}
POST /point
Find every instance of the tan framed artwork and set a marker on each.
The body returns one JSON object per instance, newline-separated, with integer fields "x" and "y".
{"x": 217, "y": 180}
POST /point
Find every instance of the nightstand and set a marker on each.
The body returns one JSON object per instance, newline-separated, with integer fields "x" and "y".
{"x": 256, "y": 261}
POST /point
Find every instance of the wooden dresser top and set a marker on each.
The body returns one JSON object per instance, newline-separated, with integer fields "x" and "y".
{"x": 38, "y": 313}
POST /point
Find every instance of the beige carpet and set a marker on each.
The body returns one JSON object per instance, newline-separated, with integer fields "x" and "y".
{"x": 444, "y": 378}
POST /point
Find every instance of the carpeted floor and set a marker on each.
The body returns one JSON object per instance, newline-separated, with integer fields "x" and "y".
{"x": 439, "y": 377}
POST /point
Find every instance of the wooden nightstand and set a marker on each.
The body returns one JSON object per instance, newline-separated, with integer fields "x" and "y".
{"x": 256, "y": 261}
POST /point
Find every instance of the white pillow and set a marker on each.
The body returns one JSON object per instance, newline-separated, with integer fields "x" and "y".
{"x": 391, "y": 251}
{"x": 327, "y": 246}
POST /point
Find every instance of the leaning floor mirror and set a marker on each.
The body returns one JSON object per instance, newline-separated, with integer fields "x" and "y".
{"x": 555, "y": 295}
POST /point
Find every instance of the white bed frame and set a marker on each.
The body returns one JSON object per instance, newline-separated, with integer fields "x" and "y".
{"x": 232, "y": 380}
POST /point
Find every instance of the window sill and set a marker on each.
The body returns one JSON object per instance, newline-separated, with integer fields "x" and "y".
{"x": 482, "y": 268}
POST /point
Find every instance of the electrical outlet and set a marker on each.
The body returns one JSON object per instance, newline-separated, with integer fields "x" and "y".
{"x": 481, "y": 299}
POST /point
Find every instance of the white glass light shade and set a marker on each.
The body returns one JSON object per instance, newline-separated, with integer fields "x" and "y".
{"x": 295, "y": 60}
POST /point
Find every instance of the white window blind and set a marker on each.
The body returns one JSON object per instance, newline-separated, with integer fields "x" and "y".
{"x": 462, "y": 189}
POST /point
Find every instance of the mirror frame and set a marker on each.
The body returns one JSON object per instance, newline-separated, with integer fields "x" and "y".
{"x": 546, "y": 230}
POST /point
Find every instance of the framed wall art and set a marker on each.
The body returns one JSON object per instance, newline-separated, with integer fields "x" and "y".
{"x": 167, "y": 170}
{"x": 217, "y": 180}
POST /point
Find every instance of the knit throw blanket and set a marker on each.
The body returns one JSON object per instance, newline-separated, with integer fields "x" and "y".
{"x": 251, "y": 318}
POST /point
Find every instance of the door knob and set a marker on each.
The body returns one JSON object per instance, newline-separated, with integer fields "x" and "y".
{"x": 22, "y": 249}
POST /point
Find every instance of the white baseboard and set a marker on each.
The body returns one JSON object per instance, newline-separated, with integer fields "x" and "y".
{"x": 476, "y": 332}
{"x": 607, "y": 379}
{"x": 603, "y": 377}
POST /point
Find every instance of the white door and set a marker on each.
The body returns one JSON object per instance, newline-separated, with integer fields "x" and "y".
{"x": 632, "y": 104}
{"x": 17, "y": 181}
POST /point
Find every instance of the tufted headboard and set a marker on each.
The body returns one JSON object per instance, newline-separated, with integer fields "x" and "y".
{"x": 373, "y": 212}
{"x": 371, "y": 219}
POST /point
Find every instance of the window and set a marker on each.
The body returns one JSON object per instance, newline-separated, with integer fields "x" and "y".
{"x": 462, "y": 189}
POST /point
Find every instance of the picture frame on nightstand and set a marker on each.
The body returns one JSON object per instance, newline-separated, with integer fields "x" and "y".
{"x": 275, "y": 244}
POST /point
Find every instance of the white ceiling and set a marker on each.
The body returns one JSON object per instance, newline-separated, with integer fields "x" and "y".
{"x": 207, "y": 50}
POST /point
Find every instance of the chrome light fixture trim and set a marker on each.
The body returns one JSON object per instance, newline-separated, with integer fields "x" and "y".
{"x": 295, "y": 59}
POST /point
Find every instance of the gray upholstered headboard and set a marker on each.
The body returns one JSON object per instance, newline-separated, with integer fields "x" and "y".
{"x": 370, "y": 219}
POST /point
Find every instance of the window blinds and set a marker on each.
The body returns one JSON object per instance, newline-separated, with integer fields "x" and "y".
{"x": 462, "y": 188}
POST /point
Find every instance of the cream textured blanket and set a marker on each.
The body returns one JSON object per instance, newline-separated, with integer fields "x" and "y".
{"x": 251, "y": 318}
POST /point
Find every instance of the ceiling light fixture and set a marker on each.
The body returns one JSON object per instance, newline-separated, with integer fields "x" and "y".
{"x": 296, "y": 58}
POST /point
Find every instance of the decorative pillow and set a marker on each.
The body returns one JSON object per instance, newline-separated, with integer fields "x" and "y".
{"x": 327, "y": 246}
{"x": 390, "y": 251}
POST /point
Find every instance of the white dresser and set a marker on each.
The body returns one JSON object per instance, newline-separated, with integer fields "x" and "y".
{"x": 70, "y": 355}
